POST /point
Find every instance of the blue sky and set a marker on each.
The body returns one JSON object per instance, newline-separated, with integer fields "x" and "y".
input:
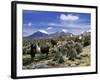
{"x": 51, "y": 22}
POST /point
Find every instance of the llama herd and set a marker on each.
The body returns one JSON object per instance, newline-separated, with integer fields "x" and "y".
{"x": 55, "y": 49}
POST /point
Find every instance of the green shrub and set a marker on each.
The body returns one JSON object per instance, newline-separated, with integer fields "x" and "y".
{"x": 78, "y": 47}
{"x": 61, "y": 60}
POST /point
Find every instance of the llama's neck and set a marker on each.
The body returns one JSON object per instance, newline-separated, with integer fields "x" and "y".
{"x": 37, "y": 48}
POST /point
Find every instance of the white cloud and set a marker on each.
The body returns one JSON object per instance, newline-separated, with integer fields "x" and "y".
{"x": 43, "y": 31}
{"x": 49, "y": 28}
{"x": 64, "y": 30}
{"x": 54, "y": 24}
{"x": 69, "y": 17}
{"x": 29, "y": 24}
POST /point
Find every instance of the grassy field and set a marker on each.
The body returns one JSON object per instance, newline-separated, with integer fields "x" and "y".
{"x": 82, "y": 60}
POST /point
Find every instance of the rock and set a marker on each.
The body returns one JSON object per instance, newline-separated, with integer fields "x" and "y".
{"x": 24, "y": 67}
{"x": 73, "y": 65}
{"x": 33, "y": 66}
{"x": 39, "y": 66}
{"x": 78, "y": 57}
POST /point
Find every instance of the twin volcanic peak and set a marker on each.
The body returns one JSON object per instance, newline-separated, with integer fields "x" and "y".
{"x": 40, "y": 34}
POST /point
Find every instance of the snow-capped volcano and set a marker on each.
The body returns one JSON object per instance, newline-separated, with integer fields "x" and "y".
{"x": 38, "y": 34}
{"x": 43, "y": 31}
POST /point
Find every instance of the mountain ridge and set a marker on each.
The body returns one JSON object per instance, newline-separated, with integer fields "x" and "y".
{"x": 40, "y": 34}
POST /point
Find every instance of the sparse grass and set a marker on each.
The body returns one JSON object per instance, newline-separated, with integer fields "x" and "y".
{"x": 26, "y": 59}
{"x": 86, "y": 52}
{"x": 26, "y": 56}
{"x": 83, "y": 61}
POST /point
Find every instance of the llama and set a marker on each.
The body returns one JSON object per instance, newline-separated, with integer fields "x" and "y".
{"x": 34, "y": 48}
{"x": 45, "y": 49}
{"x": 53, "y": 42}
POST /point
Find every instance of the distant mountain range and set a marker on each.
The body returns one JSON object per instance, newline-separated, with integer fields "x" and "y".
{"x": 86, "y": 33}
{"x": 62, "y": 33}
{"x": 40, "y": 34}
